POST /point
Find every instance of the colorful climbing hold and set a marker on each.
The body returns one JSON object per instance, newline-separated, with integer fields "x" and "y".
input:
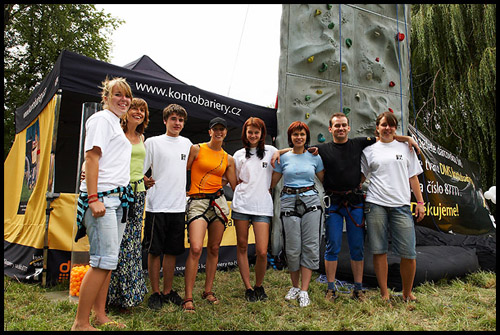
{"x": 331, "y": 25}
{"x": 318, "y": 12}
{"x": 307, "y": 115}
{"x": 348, "y": 42}
{"x": 329, "y": 6}
{"x": 308, "y": 97}
{"x": 343, "y": 67}
{"x": 310, "y": 59}
{"x": 323, "y": 67}
{"x": 357, "y": 96}
{"x": 390, "y": 110}
{"x": 346, "y": 110}
{"x": 400, "y": 36}
{"x": 321, "y": 138}
{"x": 377, "y": 59}
{"x": 392, "y": 84}
{"x": 319, "y": 91}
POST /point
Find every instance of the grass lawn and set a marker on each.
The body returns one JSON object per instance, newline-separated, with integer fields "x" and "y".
{"x": 466, "y": 304}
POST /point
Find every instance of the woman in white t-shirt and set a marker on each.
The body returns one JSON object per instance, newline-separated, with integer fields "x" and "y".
{"x": 102, "y": 194}
{"x": 393, "y": 170}
{"x": 252, "y": 203}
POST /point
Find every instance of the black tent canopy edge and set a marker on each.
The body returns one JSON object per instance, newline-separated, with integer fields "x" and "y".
{"x": 77, "y": 73}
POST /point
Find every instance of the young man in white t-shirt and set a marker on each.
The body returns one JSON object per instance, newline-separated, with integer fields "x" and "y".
{"x": 167, "y": 156}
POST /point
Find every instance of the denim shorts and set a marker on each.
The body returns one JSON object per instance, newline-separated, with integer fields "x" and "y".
{"x": 399, "y": 221}
{"x": 250, "y": 217}
{"x": 105, "y": 233}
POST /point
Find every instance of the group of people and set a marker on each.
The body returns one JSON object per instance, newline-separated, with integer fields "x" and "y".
{"x": 115, "y": 192}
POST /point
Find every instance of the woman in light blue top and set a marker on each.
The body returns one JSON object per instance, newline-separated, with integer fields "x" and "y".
{"x": 301, "y": 210}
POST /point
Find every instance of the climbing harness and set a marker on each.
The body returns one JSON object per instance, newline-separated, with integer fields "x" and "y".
{"x": 212, "y": 204}
{"x": 345, "y": 199}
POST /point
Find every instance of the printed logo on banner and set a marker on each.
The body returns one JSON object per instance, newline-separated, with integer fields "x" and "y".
{"x": 31, "y": 165}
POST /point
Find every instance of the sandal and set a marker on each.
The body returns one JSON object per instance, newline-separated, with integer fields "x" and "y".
{"x": 188, "y": 309}
{"x": 210, "y": 296}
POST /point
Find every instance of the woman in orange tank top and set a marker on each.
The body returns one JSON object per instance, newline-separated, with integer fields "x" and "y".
{"x": 207, "y": 207}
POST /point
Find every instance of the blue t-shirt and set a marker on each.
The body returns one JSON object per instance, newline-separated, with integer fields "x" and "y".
{"x": 299, "y": 170}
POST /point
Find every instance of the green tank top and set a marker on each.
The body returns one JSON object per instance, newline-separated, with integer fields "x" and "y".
{"x": 136, "y": 166}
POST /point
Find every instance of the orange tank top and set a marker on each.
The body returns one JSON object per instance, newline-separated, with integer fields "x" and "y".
{"x": 207, "y": 170}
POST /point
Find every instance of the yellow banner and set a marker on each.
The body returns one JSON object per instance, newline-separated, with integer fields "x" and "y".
{"x": 28, "y": 176}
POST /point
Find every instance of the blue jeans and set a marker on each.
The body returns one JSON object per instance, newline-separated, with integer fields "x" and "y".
{"x": 105, "y": 233}
{"x": 250, "y": 217}
{"x": 334, "y": 224}
{"x": 399, "y": 221}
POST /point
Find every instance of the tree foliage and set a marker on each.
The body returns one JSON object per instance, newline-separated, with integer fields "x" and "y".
{"x": 34, "y": 36}
{"x": 453, "y": 61}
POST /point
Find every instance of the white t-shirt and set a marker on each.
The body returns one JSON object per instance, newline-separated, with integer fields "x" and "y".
{"x": 103, "y": 130}
{"x": 391, "y": 165}
{"x": 167, "y": 157}
{"x": 251, "y": 195}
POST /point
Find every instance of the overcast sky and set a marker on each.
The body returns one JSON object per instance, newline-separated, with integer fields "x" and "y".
{"x": 232, "y": 50}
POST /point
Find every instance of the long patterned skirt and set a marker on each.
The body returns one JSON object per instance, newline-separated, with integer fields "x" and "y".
{"x": 127, "y": 287}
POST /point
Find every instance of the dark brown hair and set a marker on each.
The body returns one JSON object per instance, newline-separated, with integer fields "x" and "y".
{"x": 257, "y": 123}
{"x": 337, "y": 115}
{"x": 174, "y": 109}
{"x": 389, "y": 117}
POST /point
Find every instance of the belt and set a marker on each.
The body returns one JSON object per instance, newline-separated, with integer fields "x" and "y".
{"x": 296, "y": 190}
{"x": 207, "y": 195}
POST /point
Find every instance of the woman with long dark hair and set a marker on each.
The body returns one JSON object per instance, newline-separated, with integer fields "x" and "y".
{"x": 252, "y": 203}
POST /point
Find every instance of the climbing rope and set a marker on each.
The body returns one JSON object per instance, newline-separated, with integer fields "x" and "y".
{"x": 399, "y": 67}
{"x": 412, "y": 96}
{"x": 340, "y": 64}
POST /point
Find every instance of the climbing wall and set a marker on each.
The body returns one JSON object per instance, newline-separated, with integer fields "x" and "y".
{"x": 357, "y": 65}
{"x": 340, "y": 58}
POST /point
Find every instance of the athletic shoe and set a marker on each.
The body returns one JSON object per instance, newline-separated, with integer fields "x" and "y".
{"x": 250, "y": 295}
{"x": 331, "y": 295}
{"x": 292, "y": 294}
{"x": 155, "y": 301}
{"x": 358, "y": 295}
{"x": 172, "y": 297}
{"x": 260, "y": 294}
{"x": 304, "y": 299}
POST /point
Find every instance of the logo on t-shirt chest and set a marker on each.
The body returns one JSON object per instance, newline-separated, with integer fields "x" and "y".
{"x": 183, "y": 157}
{"x": 399, "y": 157}
{"x": 264, "y": 165}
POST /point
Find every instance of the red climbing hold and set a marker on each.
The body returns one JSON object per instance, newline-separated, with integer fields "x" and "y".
{"x": 392, "y": 84}
{"x": 377, "y": 59}
{"x": 401, "y": 36}
{"x": 390, "y": 110}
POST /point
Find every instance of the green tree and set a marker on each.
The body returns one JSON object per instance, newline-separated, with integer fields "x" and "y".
{"x": 34, "y": 36}
{"x": 453, "y": 57}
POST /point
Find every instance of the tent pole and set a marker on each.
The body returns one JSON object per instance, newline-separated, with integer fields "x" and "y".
{"x": 50, "y": 195}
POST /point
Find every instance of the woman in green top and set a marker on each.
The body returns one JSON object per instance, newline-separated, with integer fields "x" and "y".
{"x": 128, "y": 286}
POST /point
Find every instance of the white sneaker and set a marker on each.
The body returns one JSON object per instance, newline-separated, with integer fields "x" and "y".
{"x": 304, "y": 299}
{"x": 292, "y": 294}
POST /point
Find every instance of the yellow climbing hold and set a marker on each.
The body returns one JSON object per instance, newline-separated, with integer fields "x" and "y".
{"x": 310, "y": 59}
{"x": 319, "y": 91}
{"x": 318, "y": 12}
{"x": 307, "y": 115}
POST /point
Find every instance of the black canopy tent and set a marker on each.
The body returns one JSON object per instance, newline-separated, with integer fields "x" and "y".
{"x": 78, "y": 78}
